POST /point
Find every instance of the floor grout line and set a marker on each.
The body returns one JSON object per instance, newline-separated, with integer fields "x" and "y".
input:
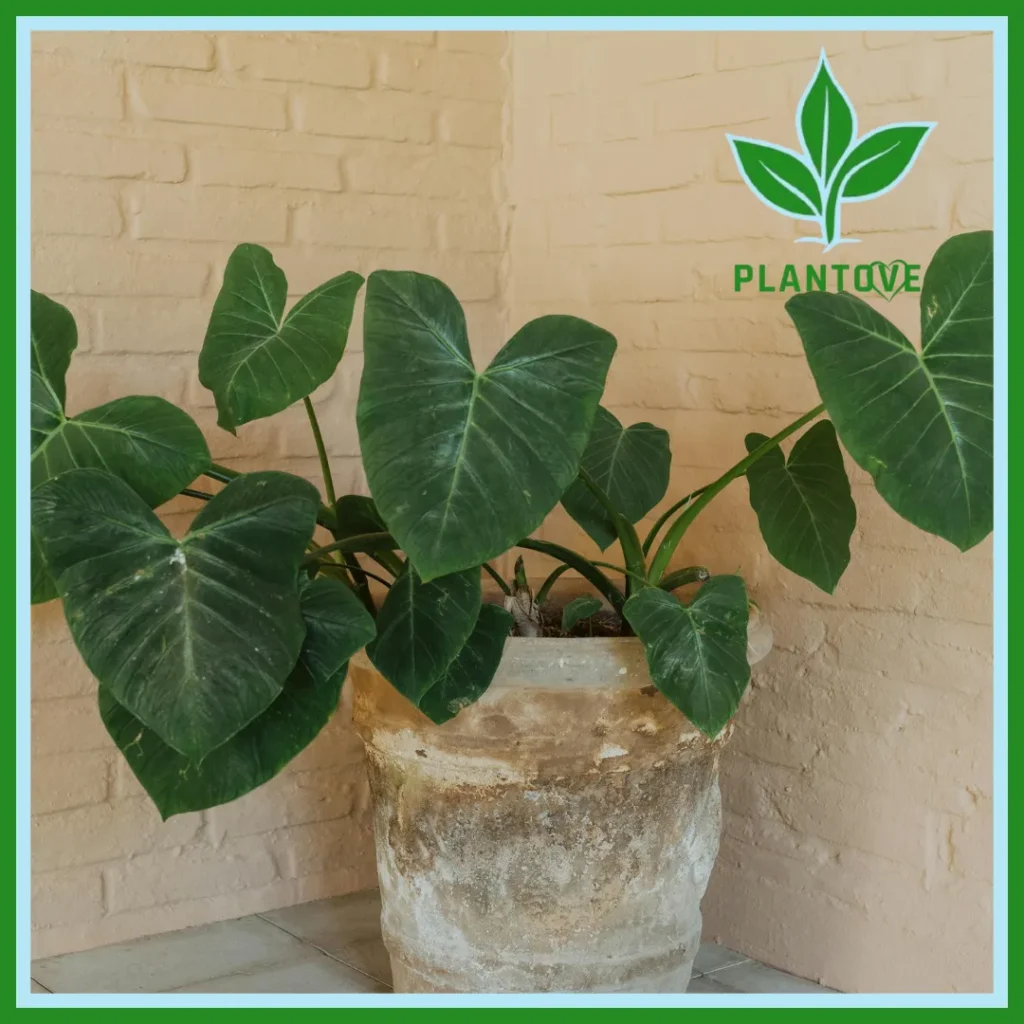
{"x": 725, "y": 967}
{"x": 48, "y": 991}
{"x": 326, "y": 952}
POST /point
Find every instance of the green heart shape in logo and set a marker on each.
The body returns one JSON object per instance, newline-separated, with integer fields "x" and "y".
{"x": 892, "y": 280}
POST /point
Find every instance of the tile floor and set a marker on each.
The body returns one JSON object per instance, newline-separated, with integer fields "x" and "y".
{"x": 326, "y": 946}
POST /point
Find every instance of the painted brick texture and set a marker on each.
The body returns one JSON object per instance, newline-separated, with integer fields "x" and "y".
{"x": 565, "y": 172}
{"x": 154, "y": 154}
{"x": 857, "y": 790}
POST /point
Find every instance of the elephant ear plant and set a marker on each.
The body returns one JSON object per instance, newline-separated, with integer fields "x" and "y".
{"x": 221, "y": 655}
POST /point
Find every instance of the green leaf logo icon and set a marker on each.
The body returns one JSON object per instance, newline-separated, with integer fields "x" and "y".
{"x": 835, "y": 167}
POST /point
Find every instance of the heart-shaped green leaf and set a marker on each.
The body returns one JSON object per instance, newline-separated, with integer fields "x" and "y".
{"x": 696, "y": 652}
{"x": 577, "y": 609}
{"x": 422, "y": 626}
{"x": 468, "y": 675}
{"x": 337, "y": 626}
{"x": 919, "y": 422}
{"x": 464, "y": 464}
{"x": 630, "y": 465}
{"x": 194, "y": 637}
{"x": 150, "y": 444}
{"x": 256, "y": 360}
{"x": 826, "y": 121}
{"x": 356, "y": 514}
{"x": 804, "y": 506}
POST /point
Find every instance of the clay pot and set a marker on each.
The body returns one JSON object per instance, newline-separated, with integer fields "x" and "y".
{"x": 556, "y": 836}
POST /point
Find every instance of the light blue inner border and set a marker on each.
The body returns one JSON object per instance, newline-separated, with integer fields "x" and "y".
{"x": 25, "y": 25}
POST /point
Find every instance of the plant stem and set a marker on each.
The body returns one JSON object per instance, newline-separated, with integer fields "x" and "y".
{"x": 368, "y": 542}
{"x": 585, "y": 568}
{"x": 545, "y": 587}
{"x": 628, "y": 539}
{"x": 221, "y": 473}
{"x": 667, "y": 515}
{"x": 675, "y": 534}
{"x": 325, "y": 465}
{"x": 358, "y": 568}
{"x": 625, "y": 572}
{"x": 190, "y": 493}
{"x": 496, "y": 576}
{"x": 679, "y": 578}
{"x": 387, "y": 561}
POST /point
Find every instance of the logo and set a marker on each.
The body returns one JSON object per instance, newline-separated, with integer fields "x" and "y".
{"x": 835, "y": 166}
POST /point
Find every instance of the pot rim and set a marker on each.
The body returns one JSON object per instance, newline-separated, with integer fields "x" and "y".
{"x": 556, "y": 663}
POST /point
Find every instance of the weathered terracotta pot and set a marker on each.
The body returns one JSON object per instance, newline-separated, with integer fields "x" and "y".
{"x": 556, "y": 836}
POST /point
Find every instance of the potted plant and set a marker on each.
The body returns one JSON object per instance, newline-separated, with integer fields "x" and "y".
{"x": 546, "y": 803}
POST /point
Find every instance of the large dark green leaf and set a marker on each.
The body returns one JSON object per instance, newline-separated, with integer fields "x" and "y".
{"x": 336, "y": 627}
{"x": 919, "y": 422}
{"x": 467, "y": 677}
{"x": 194, "y": 637}
{"x": 696, "y": 652}
{"x": 630, "y": 465}
{"x": 150, "y": 444}
{"x": 422, "y": 626}
{"x": 356, "y": 514}
{"x": 464, "y": 464}
{"x": 256, "y": 360}
{"x": 804, "y": 506}
{"x": 54, "y": 338}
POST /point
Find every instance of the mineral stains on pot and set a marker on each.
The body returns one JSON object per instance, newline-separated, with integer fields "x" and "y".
{"x": 557, "y": 836}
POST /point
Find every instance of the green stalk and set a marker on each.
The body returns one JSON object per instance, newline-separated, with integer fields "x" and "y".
{"x": 367, "y": 542}
{"x": 545, "y": 587}
{"x": 668, "y": 514}
{"x": 586, "y": 569}
{"x": 679, "y": 578}
{"x": 675, "y": 534}
{"x": 325, "y": 466}
{"x": 628, "y": 539}
{"x": 222, "y": 474}
{"x": 388, "y": 561}
{"x": 642, "y": 580}
{"x": 355, "y": 567}
{"x": 496, "y": 576}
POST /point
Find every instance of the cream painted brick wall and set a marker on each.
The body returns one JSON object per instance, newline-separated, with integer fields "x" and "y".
{"x": 857, "y": 789}
{"x": 153, "y": 155}
{"x": 857, "y": 843}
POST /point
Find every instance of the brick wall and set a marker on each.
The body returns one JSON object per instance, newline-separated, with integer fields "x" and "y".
{"x": 857, "y": 843}
{"x": 153, "y": 155}
{"x": 857, "y": 839}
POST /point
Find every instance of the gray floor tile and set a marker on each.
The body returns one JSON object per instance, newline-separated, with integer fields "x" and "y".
{"x": 706, "y": 984}
{"x": 36, "y": 987}
{"x": 347, "y": 927}
{"x": 322, "y": 974}
{"x": 712, "y": 957}
{"x": 173, "y": 960}
{"x": 752, "y": 976}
